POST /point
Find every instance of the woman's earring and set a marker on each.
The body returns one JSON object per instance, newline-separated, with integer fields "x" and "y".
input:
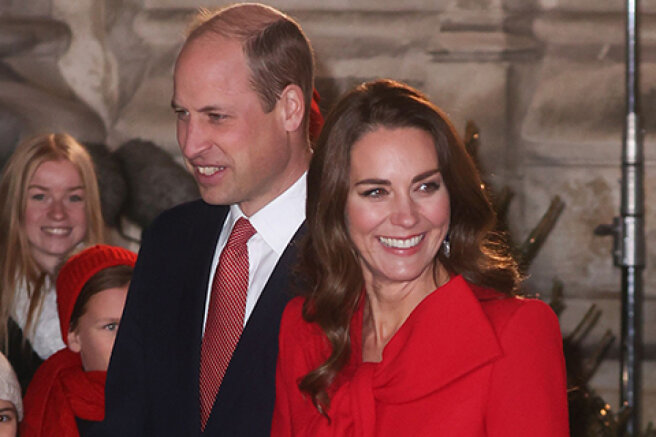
{"x": 446, "y": 246}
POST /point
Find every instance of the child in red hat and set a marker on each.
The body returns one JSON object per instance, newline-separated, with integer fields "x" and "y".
{"x": 66, "y": 395}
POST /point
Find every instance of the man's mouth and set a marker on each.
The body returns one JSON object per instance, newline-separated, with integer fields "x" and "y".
{"x": 209, "y": 170}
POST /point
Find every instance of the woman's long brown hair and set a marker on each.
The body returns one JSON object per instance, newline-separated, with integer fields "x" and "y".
{"x": 329, "y": 261}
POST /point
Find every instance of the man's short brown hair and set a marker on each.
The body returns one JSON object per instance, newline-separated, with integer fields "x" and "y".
{"x": 277, "y": 51}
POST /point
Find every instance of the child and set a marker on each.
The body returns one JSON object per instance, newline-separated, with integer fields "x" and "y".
{"x": 11, "y": 405}
{"x": 66, "y": 396}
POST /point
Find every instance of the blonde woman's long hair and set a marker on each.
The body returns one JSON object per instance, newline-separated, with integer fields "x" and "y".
{"x": 17, "y": 266}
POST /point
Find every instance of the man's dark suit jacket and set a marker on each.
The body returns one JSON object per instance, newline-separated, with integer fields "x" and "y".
{"x": 152, "y": 383}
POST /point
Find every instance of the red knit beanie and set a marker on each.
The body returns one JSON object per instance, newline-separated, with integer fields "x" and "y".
{"x": 78, "y": 270}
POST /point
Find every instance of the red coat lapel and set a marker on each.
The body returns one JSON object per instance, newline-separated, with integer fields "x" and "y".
{"x": 446, "y": 336}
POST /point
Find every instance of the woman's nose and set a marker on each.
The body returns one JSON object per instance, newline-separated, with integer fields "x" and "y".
{"x": 405, "y": 212}
{"x": 57, "y": 210}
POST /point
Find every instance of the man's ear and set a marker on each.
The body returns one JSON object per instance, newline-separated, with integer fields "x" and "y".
{"x": 292, "y": 106}
{"x": 74, "y": 341}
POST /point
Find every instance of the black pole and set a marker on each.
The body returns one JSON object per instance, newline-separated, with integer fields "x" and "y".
{"x": 631, "y": 254}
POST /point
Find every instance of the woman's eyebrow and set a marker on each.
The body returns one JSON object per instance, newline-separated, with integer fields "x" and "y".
{"x": 373, "y": 182}
{"x": 425, "y": 175}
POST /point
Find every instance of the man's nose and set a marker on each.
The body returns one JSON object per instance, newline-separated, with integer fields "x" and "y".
{"x": 193, "y": 138}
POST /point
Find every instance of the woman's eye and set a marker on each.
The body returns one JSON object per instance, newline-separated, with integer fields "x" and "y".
{"x": 429, "y": 187}
{"x": 6, "y": 418}
{"x": 38, "y": 196}
{"x": 76, "y": 198}
{"x": 374, "y": 193}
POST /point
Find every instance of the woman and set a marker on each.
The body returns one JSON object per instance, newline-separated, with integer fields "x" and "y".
{"x": 66, "y": 396}
{"x": 410, "y": 327}
{"x": 49, "y": 204}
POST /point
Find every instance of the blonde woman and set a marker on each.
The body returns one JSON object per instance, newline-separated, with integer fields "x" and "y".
{"x": 49, "y": 205}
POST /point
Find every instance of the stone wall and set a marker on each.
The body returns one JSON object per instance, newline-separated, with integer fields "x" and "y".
{"x": 543, "y": 80}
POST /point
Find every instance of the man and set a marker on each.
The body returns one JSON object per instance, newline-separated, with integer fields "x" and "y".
{"x": 243, "y": 83}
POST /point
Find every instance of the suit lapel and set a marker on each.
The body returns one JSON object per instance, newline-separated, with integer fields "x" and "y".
{"x": 197, "y": 257}
{"x": 278, "y": 289}
{"x": 202, "y": 244}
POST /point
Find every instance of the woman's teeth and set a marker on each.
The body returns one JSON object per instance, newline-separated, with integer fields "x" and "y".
{"x": 56, "y": 231}
{"x": 398, "y": 243}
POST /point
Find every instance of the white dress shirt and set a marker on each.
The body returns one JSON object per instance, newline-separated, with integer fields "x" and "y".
{"x": 275, "y": 225}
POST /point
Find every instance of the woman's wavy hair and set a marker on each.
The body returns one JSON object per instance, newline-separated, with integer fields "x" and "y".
{"x": 17, "y": 266}
{"x": 329, "y": 262}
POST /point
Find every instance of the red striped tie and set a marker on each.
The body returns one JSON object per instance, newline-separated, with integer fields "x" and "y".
{"x": 225, "y": 316}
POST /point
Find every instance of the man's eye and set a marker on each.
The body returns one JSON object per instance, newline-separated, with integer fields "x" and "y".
{"x": 181, "y": 114}
{"x": 216, "y": 117}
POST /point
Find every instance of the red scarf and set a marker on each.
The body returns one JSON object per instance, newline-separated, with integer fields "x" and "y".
{"x": 59, "y": 392}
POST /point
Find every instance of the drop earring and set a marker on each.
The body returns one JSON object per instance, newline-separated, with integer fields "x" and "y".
{"x": 446, "y": 246}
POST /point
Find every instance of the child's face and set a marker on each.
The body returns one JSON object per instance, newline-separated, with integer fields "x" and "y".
{"x": 96, "y": 329}
{"x": 8, "y": 419}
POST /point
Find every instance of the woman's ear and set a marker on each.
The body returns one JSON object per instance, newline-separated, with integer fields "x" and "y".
{"x": 292, "y": 106}
{"x": 74, "y": 341}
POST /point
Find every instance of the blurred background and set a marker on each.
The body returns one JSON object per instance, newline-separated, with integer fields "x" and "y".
{"x": 543, "y": 81}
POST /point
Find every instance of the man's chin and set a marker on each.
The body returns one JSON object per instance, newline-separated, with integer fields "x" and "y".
{"x": 216, "y": 197}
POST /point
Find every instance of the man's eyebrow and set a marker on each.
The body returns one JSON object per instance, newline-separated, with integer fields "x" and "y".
{"x": 212, "y": 108}
{"x": 204, "y": 109}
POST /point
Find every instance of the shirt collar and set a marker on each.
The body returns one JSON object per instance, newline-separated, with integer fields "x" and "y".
{"x": 279, "y": 220}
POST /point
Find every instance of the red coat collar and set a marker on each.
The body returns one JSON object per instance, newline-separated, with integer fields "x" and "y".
{"x": 445, "y": 337}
